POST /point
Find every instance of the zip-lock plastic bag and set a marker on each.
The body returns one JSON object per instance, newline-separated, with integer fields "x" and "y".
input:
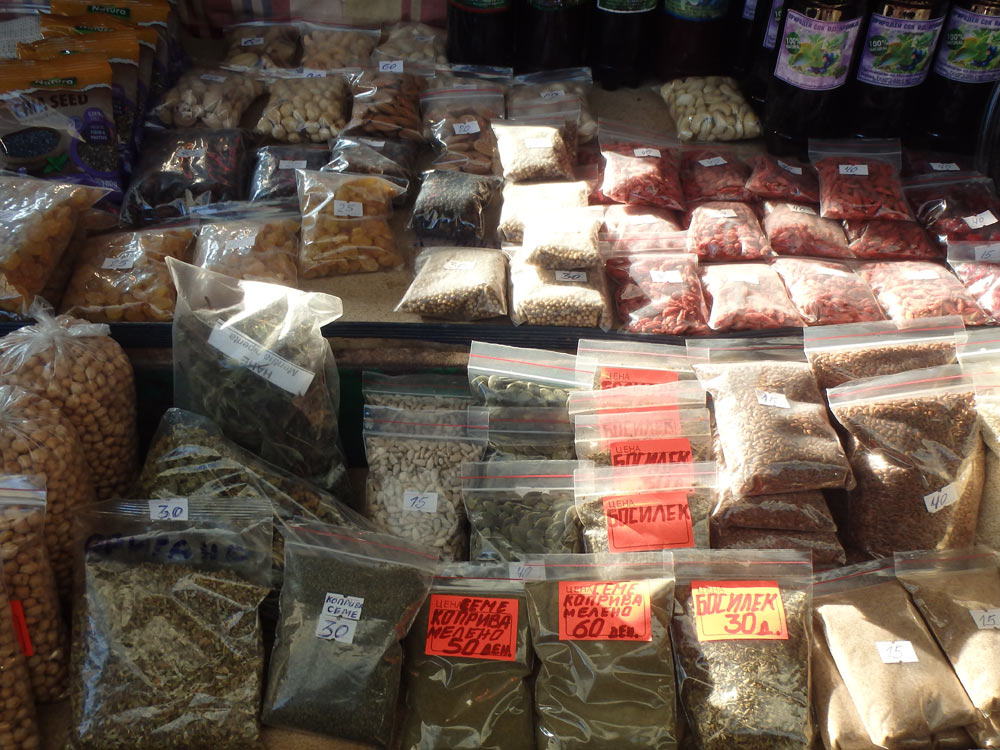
{"x": 826, "y": 292}
{"x": 387, "y": 102}
{"x": 782, "y": 180}
{"x": 459, "y": 120}
{"x": 837, "y": 720}
{"x": 645, "y": 508}
{"x": 542, "y": 296}
{"x": 638, "y": 228}
{"x": 520, "y": 201}
{"x": 273, "y": 176}
{"x": 259, "y": 243}
{"x": 714, "y": 174}
{"x": 450, "y": 208}
{"x": 824, "y": 546}
{"x": 885, "y": 239}
{"x": 412, "y": 42}
{"x": 859, "y": 179}
{"x": 957, "y": 206}
{"x": 917, "y": 289}
{"x": 471, "y": 638}
{"x": 208, "y": 97}
{"x": 417, "y": 391}
{"x": 604, "y": 363}
{"x": 514, "y": 376}
{"x": 186, "y": 570}
{"x": 918, "y": 457}
{"x": 520, "y": 508}
{"x": 644, "y": 437}
{"x": 414, "y": 487}
{"x": 261, "y": 44}
{"x": 457, "y": 283}
{"x": 978, "y": 268}
{"x": 641, "y": 167}
{"x": 564, "y": 87}
{"x": 747, "y": 297}
{"x": 334, "y": 46}
{"x": 599, "y": 626}
{"x": 534, "y": 151}
{"x": 18, "y": 722}
{"x": 530, "y": 433}
{"x": 564, "y": 239}
{"x": 684, "y": 394}
{"x": 794, "y": 229}
{"x": 357, "y": 156}
{"x": 725, "y": 230}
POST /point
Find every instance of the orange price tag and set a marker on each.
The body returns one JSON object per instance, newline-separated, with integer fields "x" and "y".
{"x": 604, "y": 611}
{"x": 739, "y": 610}
{"x": 473, "y": 627}
{"x": 615, "y": 377}
{"x": 639, "y": 523}
{"x": 639, "y": 424}
{"x": 661, "y": 451}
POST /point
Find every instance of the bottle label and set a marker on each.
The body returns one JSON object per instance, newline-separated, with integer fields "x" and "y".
{"x": 749, "y": 10}
{"x": 696, "y": 10}
{"x": 773, "y": 22}
{"x": 626, "y": 6}
{"x": 897, "y": 52}
{"x": 814, "y": 54}
{"x": 970, "y": 50}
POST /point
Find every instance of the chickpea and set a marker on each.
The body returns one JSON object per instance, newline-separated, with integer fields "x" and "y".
{"x": 18, "y": 724}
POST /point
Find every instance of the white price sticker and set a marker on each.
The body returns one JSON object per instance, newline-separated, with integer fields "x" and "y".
{"x": 520, "y": 571}
{"x": 292, "y": 164}
{"x": 856, "y": 170}
{"x": 769, "y": 398}
{"x": 213, "y": 78}
{"x": 985, "y": 219}
{"x": 896, "y": 652}
{"x": 459, "y": 265}
{"x": 466, "y": 128}
{"x": 168, "y": 509}
{"x": 715, "y": 161}
{"x": 724, "y": 213}
{"x": 340, "y": 617}
{"x": 799, "y": 209}
{"x": 986, "y": 619}
{"x": 390, "y": 66}
{"x": 552, "y": 95}
{"x": 242, "y": 243}
{"x": 665, "y": 277}
{"x": 988, "y": 252}
{"x": 947, "y": 495}
{"x": 313, "y": 73}
{"x": 789, "y": 168}
{"x": 118, "y": 263}
{"x": 944, "y": 166}
{"x": 420, "y": 502}
{"x": 579, "y": 276}
{"x": 190, "y": 153}
{"x": 924, "y": 274}
{"x": 655, "y": 152}
{"x": 286, "y": 375}
{"x": 252, "y": 41}
{"x": 537, "y": 143}
{"x": 348, "y": 208}
{"x": 372, "y": 143}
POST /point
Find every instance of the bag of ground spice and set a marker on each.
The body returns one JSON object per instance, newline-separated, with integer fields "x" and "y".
{"x": 155, "y": 574}
{"x": 918, "y": 457}
{"x": 899, "y": 681}
{"x": 958, "y": 594}
{"x": 470, "y": 638}
{"x": 530, "y": 433}
{"x": 645, "y": 508}
{"x": 909, "y": 289}
{"x": 18, "y": 722}
{"x": 450, "y": 205}
{"x": 854, "y": 351}
{"x": 740, "y": 631}
{"x": 514, "y": 376}
{"x": 771, "y": 417}
{"x": 599, "y": 628}
{"x": 543, "y": 297}
{"x": 251, "y": 357}
{"x": 416, "y": 391}
{"x": 457, "y": 283}
{"x": 605, "y": 364}
{"x": 986, "y": 379}
{"x": 669, "y": 436}
{"x": 684, "y": 394}
{"x": 348, "y": 599}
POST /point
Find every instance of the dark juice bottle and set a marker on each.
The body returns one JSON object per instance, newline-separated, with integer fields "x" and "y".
{"x": 948, "y": 108}
{"x": 481, "y": 32}
{"x": 766, "y": 22}
{"x": 895, "y": 58}
{"x": 552, "y": 33}
{"x": 741, "y": 39}
{"x": 621, "y": 32}
{"x": 691, "y": 39}
{"x": 806, "y": 94}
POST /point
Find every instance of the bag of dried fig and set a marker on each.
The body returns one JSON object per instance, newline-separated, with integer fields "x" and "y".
{"x": 599, "y": 626}
{"x": 530, "y": 433}
{"x": 18, "y": 722}
{"x": 457, "y": 283}
{"x": 669, "y": 436}
{"x": 515, "y": 376}
{"x": 154, "y": 574}
{"x": 683, "y": 394}
{"x": 740, "y": 632}
{"x": 605, "y": 363}
{"x": 645, "y": 508}
{"x": 416, "y": 391}
{"x": 899, "y": 681}
{"x": 918, "y": 457}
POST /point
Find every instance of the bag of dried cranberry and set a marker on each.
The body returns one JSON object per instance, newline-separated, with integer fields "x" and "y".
{"x": 860, "y": 179}
{"x": 641, "y": 167}
{"x": 777, "y": 179}
{"x": 659, "y": 293}
{"x": 978, "y": 268}
{"x": 917, "y": 289}
{"x": 933, "y": 162}
{"x": 827, "y": 293}
{"x": 882, "y": 239}
{"x": 957, "y": 206}
{"x": 725, "y": 230}
{"x": 795, "y": 229}
{"x": 747, "y": 297}
{"x": 714, "y": 174}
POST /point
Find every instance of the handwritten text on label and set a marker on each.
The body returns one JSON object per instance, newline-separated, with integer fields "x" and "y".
{"x": 472, "y": 627}
{"x": 420, "y": 502}
{"x": 604, "y": 611}
{"x": 168, "y": 509}
{"x": 738, "y": 610}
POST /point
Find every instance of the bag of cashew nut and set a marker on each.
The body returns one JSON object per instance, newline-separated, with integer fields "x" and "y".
{"x": 459, "y": 119}
{"x": 530, "y": 433}
{"x": 208, "y": 97}
{"x": 259, "y": 243}
{"x": 457, "y": 283}
{"x": 604, "y": 364}
{"x": 669, "y": 436}
{"x": 87, "y": 376}
{"x": 645, "y": 508}
{"x": 516, "y": 376}
{"x": 710, "y": 108}
{"x": 417, "y": 391}
{"x": 18, "y": 721}
{"x": 261, "y": 44}
{"x": 684, "y": 394}
{"x": 415, "y": 458}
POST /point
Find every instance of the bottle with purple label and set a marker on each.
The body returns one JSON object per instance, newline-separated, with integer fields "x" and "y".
{"x": 766, "y": 22}
{"x": 806, "y": 96}
{"x": 899, "y": 43}
{"x": 947, "y": 112}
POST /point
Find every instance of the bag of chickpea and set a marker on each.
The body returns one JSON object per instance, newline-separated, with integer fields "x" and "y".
{"x": 18, "y": 723}
{"x": 122, "y": 277}
{"x": 87, "y": 376}
{"x": 256, "y": 244}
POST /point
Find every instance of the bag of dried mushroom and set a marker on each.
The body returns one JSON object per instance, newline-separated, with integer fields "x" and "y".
{"x": 255, "y": 244}
{"x": 208, "y": 97}
{"x": 457, "y": 283}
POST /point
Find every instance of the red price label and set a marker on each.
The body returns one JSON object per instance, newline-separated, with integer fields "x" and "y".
{"x": 472, "y": 627}
{"x": 640, "y": 523}
{"x": 739, "y": 610}
{"x": 659, "y": 451}
{"x": 604, "y": 611}
{"x": 615, "y": 377}
{"x": 639, "y": 424}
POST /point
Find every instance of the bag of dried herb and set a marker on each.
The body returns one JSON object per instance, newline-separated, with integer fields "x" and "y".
{"x": 741, "y": 630}
{"x": 514, "y": 376}
{"x": 899, "y": 681}
{"x": 18, "y": 723}
{"x": 645, "y": 508}
{"x": 471, "y": 638}
{"x": 918, "y": 457}
{"x": 450, "y": 205}
{"x": 669, "y": 436}
{"x": 416, "y": 391}
{"x": 251, "y": 357}
{"x": 414, "y": 487}
{"x": 156, "y": 574}
{"x": 599, "y": 628}
{"x": 273, "y": 176}
{"x": 457, "y": 283}
{"x": 530, "y": 433}
{"x": 520, "y": 508}
{"x": 958, "y": 594}
{"x": 771, "y": 417}
{"x": 606, "y": 364}
{"x": 348, "y": 600}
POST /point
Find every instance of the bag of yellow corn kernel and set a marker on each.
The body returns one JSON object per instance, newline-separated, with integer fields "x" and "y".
{"x": 345, "y": 224}
{"x": 123, "y": 276}
{"x": 258, "y": 243}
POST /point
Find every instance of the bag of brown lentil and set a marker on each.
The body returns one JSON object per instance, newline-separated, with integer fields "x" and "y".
{"x": 918, "y": 458}
{"x": 599, "y": 628}
{"x": 470, "y": 638}
{"x": 18, "y": 723}
{"x": 899, "y": 681}
{"x": 741, "y": 631}
{"x": 155, "y": 574}
{"x": 457, "y": 283}
{"x": 958, "y": 594}
{"x": 670, "y": 436}
{"x": 613, "y": 364}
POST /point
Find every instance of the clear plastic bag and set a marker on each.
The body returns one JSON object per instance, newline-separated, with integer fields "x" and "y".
{"x": 713, "y": 174}
{"x": 258, "y": 244}
{"x": 604, "y": 682}
{"x": 208, "y": 97}
{"x": 918, "y": 457}
{"x": 530, "y": 434}
{"x": 18, "y": 722}
{"x": 414, "y": 487}
{"x": 387, "y": 104}
{"x": 137, "y": 692}
{"x": 837, "y": 720}
{"x": 824, "y": 546}
{"x": 804, "y": 511}
{"x": 534, "y": 151}
{"x": 457, "y": 283}
{"x": 261, "y": 44}
{"x": 566, "y": 87}
{"x": 418, "y": 391}
{"x": 494, "y": 664}
{"x": 827, "y": 293}
{"x": 884, "y": 239}
{"x": 955, "y": 207}
{"x": 459, "y": 120}
{"x": 330, "y": 47}
{"x": 626, "y": 509}
{"x": 544, "y": 297}
{"x": 659, "y": 293}
{"x": 274, "y": 168}
{"x": 605, "y": 363}
{"x": 413, "y": 42}
{"x": 794, "y": 229}
{"x": 564, "y": 240}
{"x": 356, "y": 156}
{"x": 667, "y": 436}
{"x": 450, "y": 207}
{"x": 747, "y": 297}
{"x": 783, "y": 180}
{"x": 514, "y": 376}
{"x": 521, "y": 201}
{"x": 326, "y": 640}
{"x": 251, "y": 357}
{"x": 912, "y": 289}
{"x": 743, "y": 678}
{"x": 726, "y": 231}
{"x": 123, "y": 277}
{"x": 683, "y": 394}
{"x": 641, "y": 167}
{"x": 305, "y": 108}
{"x": 520, "y": 508}
{"x": 859, "y": 179}
{"x": 626, "y": 226}
{"x": 979, "y": 271}
{"x": 727, "y": 118}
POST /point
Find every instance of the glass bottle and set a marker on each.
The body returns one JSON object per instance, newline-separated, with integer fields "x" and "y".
{"x": 692, "y": 38}
{"x": 765, "y": 36}
{"x": 480, "y": 32}
{"x": 552, "y": 33}
{"x": 621, "y": 34}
